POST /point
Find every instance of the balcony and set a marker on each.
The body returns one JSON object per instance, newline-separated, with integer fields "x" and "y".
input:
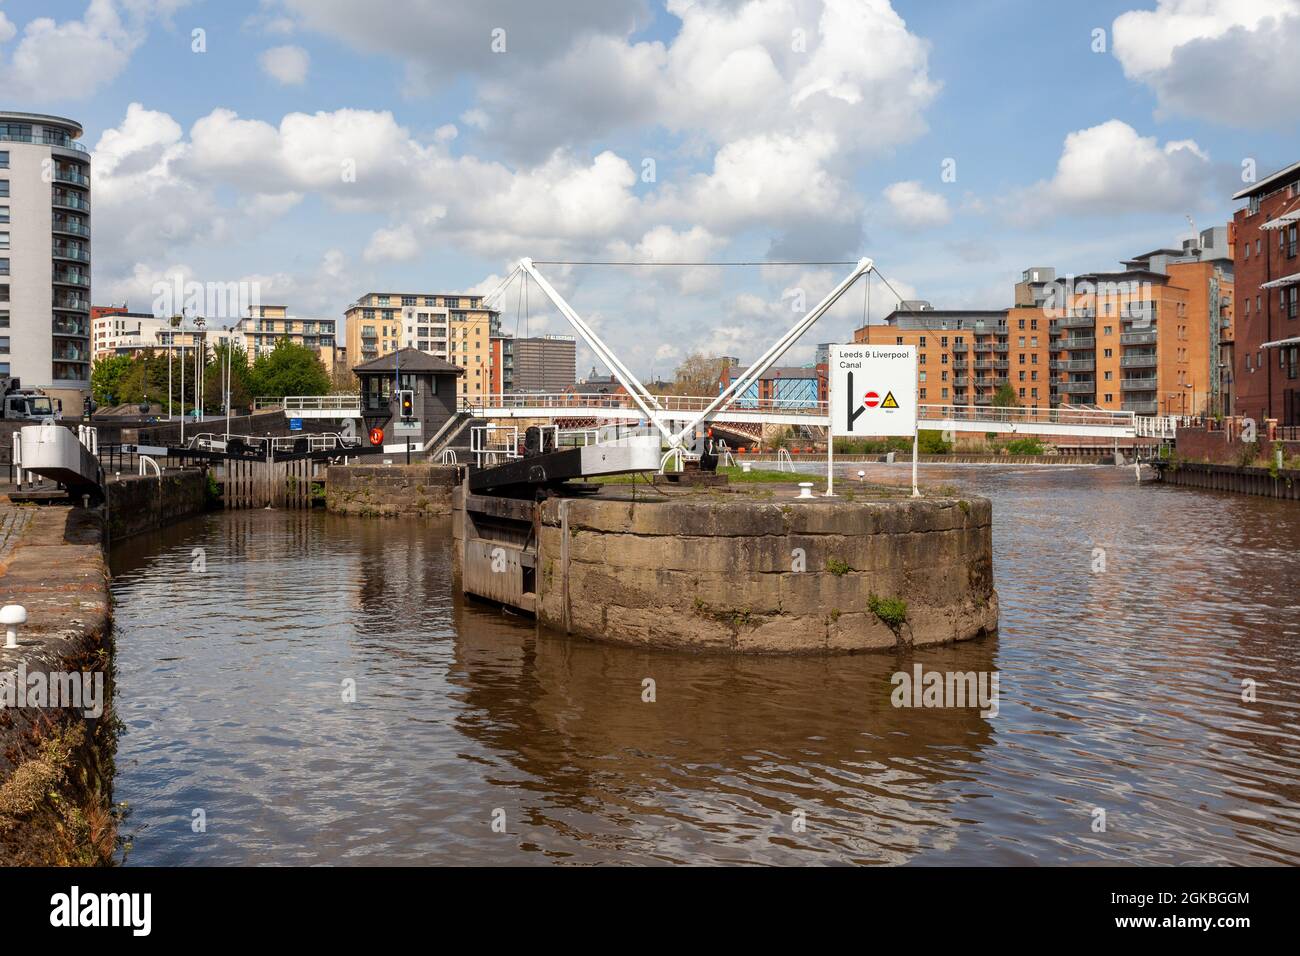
{"x": 1078, "y": 388}
{"x": 983, "y": 399}
{"x": 71, "y": 303}
{"x": 70, "y": 201}
{"x": 69, "y": 174}
{"x": 72, "y": 277}
{"x": 63, "y": 251}
{"x": 42, "y": 141}
{"x": 961, "y": 365}
{"x": 959, "y": 347}
{"x": 1077, "y": 321}
{"x": 73, "y": 227}
{"x": 1077, "y": 365}
{"x": 1138, "y": 313}
{"x": 1137, "y": 338}
{"x": 1001, "y": 347}
{"x": 1138, "y": 384}
{"x": 67, "y": 352}
{"x": 1138, "y": 360}
{"x": 961, "y": 381}
{"x": 62, "y": 325}
{"x": 1075, "y": 344}
{"x": 1140, "y": 408}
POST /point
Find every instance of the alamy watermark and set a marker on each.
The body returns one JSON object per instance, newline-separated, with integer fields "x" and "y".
{"x": 922, "y": 688}
{"x": 212, "y": 300}
{"x": 77, "y": 690}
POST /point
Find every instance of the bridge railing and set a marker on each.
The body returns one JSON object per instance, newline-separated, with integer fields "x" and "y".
{"x": 321, "y": 403}
{"x": 587, "y": 403}
{"x": 622, "y": 402}
{"x": 1020, "y": 415}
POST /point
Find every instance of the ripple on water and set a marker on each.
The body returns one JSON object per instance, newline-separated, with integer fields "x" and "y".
{"x": 1120, "y": 690}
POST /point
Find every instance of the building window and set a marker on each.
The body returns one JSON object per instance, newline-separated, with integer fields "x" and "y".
{"x": 4, "y": 187}
{"x": 4, "y": 159}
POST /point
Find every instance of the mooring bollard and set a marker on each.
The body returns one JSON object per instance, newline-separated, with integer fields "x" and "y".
{"x": 805, "y": 489}
{"x": 862, "y": 475}
{"x": 11, "y": 615}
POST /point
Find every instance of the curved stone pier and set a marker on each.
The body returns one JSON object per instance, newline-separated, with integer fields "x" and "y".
{"x": 751, "y": 572}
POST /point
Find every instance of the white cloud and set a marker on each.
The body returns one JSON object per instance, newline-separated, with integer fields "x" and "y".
{"x": 74, "y": 58}
{"x": 1111, "y": 169}
{"x": 392, "y": 245}
{"x": 144, "y": 204}
{"x": 439, "y": 40}
{"x": 914, "y": 207}
{"x": 286, "y": 65}
{"x": 1199, "y": 55}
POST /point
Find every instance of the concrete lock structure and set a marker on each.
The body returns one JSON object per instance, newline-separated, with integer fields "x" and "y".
{"x": 736, "y": 572}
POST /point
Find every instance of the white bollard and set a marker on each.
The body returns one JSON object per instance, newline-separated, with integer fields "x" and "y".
{"x": 805, "y": 489}
{"x": 862, "y": 475}
{"x": 746, "y": 466}
{"x": 11, "y": 615}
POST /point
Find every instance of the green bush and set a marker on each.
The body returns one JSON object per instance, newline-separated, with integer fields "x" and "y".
{"x": 837, "y": 567}
{"x": 893, "y": 611}
{"x": 1024, "y": 446}
{"x": 930, "y": 442}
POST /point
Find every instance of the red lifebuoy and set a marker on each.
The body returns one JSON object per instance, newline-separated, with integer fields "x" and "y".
{"x": 376, "y": 436}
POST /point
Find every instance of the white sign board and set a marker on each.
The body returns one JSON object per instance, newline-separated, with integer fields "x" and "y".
{"x": 873, "y": 390}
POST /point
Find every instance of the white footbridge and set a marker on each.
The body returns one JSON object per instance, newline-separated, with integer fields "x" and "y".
{"x": 680, "y": 418}
{"x": 672, "y": 411}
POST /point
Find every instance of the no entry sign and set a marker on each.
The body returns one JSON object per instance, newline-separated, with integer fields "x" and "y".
{"x": 873, "y": 390}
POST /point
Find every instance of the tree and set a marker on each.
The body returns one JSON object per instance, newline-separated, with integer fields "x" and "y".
{"x": 1005, "y": 397}
{"x": 699, "y": 374}
{"x": 289, "y": 369}
{"x": 106, "y": 378}
{"x": 241, "y": 392}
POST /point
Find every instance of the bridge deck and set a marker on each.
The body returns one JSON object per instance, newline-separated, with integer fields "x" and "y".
{"x": 679, "y": 409}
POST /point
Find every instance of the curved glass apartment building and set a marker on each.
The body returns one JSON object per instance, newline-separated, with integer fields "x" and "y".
{"x": 45, "y": 256}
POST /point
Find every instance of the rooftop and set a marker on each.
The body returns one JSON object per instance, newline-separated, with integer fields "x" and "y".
{"x": 44, "y": 119}
{"x": 411, "y": 360}
{"x": 1271, "y": 183}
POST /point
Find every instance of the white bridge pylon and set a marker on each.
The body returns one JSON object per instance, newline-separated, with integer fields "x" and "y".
{"x": 675, "y": 428}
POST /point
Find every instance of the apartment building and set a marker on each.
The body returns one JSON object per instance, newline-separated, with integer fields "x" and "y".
{"x": 457, "y": 328}
{"x": 1267, "y": 267}
{"x": 45, "y": 256}
{"x": 1150, "y": 338}
{"x": 265, "y": 325}
{"x": 115, "y": 331}
{"x": 964, "y": 356}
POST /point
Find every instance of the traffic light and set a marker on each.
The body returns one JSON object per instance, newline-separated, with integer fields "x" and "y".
{"x": 406, "y": 403}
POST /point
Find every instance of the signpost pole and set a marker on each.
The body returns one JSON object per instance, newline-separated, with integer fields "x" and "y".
{"x": 916, "y": 492}
{"x": 830, "y": 463}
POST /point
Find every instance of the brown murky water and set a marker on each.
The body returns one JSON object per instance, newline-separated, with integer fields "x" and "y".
{"x": 1120, "y": 691}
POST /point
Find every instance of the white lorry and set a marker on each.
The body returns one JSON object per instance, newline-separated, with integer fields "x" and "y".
{"x": 27, "y": 404}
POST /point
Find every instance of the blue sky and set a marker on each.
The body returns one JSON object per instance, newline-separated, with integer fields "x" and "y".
{"x": 804, "y": 129}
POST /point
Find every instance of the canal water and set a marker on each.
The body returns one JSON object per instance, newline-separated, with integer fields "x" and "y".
{"x": 240, "y": 634}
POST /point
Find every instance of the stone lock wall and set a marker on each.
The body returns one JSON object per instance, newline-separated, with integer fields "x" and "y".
{"x": 390, "y": 490}
{"x": 139, "y": 503}
{"x": 724, "y": 575}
